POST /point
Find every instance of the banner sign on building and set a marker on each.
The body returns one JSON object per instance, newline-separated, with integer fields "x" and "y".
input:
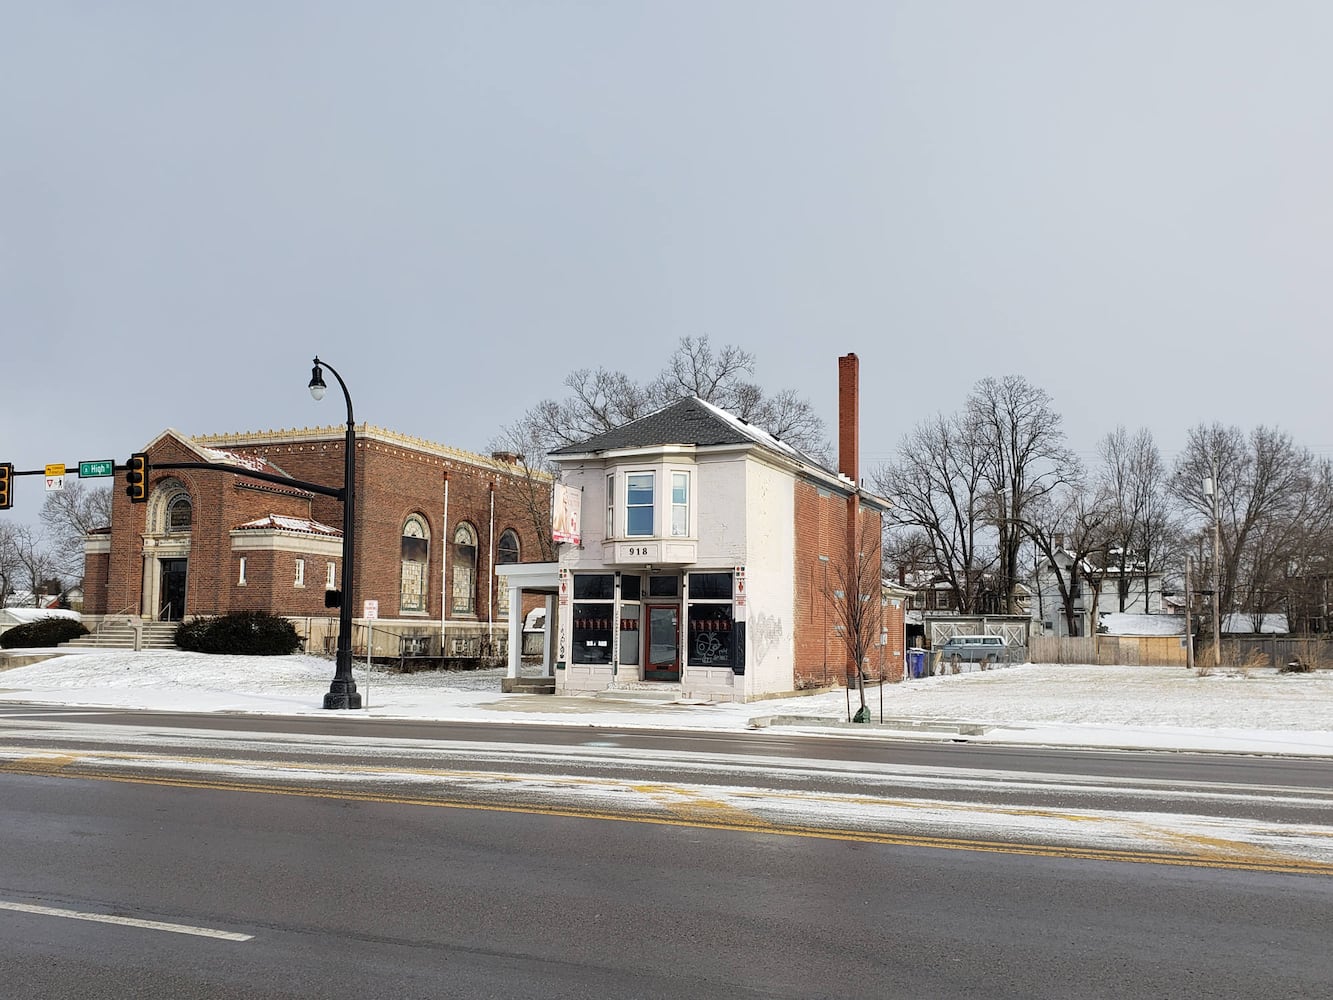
{"x": 566, "y": 509}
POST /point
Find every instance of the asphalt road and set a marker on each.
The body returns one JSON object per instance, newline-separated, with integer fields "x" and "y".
{"x": 946, "y": 752}
{"x": 337, "y": 897}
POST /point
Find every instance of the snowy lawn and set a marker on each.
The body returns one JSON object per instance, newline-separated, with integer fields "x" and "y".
{"x": 1250, "y": 710}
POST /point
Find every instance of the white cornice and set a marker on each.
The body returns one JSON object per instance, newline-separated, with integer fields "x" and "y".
{"x": 364, "y": 432}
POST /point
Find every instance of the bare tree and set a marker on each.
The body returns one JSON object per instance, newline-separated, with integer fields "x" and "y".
{"x": 600, "y": 400}
{"x": 696, "y": 369}
{"x": 907, "y": 553}
{"x": 1025, "y": 458}
{"x": 69, "y": 515}
{"x": 32, "y": 561}
{"x": 854, "y": 589}
{"x": 1074, "y": 522}
{"x": 938, "y": 487}
{"x": 528, "y": 487}
{"x": 10, "y": 567}
{"x": 1143, "y": 524}
{"x": 1269, "y": 501}
{"x": 1308, "y": 573}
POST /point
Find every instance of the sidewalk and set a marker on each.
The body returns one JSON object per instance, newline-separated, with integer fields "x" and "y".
{"x": 1250, "y": 711}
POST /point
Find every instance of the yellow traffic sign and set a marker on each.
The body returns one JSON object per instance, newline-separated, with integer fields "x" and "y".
{"x": 57, "y": 469}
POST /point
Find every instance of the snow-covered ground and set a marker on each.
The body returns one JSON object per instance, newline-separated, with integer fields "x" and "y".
{"x": 1254, "y": 711}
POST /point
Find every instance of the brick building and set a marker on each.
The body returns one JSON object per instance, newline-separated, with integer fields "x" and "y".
{"x": 715, "y": 557}
{"x": 432, "y": 523}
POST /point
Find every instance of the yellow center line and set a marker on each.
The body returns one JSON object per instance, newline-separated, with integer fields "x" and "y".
{"x": 688, "y": 809}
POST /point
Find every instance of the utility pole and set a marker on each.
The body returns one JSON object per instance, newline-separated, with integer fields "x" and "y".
{"x": 1189, "y": 618}
{"x": 1210, "y": 491}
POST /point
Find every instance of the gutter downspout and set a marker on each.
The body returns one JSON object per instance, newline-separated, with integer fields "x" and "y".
{"x": 444, "y": 569}
{"x": 490, "y": 569}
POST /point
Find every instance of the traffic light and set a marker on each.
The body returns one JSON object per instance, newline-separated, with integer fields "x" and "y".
{"x": 6, "y": 483}
{"x": 136, "y": 478}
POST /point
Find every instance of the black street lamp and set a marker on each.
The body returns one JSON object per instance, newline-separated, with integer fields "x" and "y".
{"x": 343, "y": 692}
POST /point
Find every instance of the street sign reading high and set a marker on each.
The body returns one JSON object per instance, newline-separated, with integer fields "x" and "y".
{"x": 92, "y": 470}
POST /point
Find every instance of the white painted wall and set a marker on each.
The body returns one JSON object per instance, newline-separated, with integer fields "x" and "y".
{"x": 770, "y": 579}
{"x": 744, "y": 515}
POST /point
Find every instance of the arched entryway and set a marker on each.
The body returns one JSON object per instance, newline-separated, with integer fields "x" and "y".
{"x": 167, "y": 556}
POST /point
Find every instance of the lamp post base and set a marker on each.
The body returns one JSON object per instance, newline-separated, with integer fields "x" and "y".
{"x": 343, "y": 693}
{"x": 342, "y": 699}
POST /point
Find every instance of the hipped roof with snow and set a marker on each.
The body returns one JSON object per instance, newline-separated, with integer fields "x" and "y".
{"x": 697, "y": 423}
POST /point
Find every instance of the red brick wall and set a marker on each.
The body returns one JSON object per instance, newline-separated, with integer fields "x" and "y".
{"x": 824, "y": 527}
{"x": 849, "y": 429}
{"x": 895, "y": 656}
{"x": 94, "y": 583}
{"x": 393, "y": 481}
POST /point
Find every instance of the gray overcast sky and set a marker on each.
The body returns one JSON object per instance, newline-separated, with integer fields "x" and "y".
{"x": 458, "y": 203}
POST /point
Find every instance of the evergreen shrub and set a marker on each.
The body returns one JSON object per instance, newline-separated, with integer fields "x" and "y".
{"x": 43, "y": 632}
{"x": 251, "y": 633}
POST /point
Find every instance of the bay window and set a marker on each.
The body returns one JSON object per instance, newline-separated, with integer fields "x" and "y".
{"x": 639, "y": 504}
{"x": 680, "y": 504}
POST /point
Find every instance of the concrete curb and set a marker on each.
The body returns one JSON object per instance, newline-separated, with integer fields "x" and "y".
{"x": 888, "y": 726}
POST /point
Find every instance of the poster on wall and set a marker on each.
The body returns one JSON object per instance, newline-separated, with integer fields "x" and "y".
{"x": 566, "y": 504}
{"x": 742, "y": 612}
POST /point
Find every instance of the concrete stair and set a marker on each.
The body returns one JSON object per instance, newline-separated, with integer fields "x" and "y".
{"x": 527, "y": 685}
{"x": 117, "y": 634}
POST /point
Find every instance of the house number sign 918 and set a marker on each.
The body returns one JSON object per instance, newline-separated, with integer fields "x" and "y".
{"x": 638, "y": 550}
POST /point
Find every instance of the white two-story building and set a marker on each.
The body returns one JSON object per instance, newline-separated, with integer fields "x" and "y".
{"x": 712, "y": 558}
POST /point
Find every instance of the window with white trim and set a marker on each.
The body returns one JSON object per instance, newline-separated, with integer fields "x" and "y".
{"x": 330, "y": 576}
{"x": 710, "y": 614}
{"x": 506, "y": 553}
{"x": 611, "y": 505}
{"x": 639, "y": 504}
{"x": 240, "y": 580}
{"x": 415, "y": 551}
{"x": 300, "y": 573}
{"x": 464, "y": 584}
{"x": 180, "y": 513}
{"x": 680, "y": 504}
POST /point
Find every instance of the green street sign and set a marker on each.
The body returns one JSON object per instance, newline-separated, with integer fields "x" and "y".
{"x": 92, "y": 470}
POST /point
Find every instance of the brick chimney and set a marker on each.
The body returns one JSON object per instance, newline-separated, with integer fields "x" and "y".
{"x": 849, "y": 416}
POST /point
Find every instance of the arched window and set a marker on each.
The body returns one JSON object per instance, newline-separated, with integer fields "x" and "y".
{"x": 415, "y": 557}
{"x": 505, "y": 552}
{"x": 180, "y": 513}
{"x": 463, "y": 599}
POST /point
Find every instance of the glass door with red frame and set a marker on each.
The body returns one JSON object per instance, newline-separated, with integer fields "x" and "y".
{"x": 662, "y": 655}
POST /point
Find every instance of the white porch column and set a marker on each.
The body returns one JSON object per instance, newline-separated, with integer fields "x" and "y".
{"x": 515, "y": 626}
{"x": 148, "y": 588}
{"x": 552, "y": 635}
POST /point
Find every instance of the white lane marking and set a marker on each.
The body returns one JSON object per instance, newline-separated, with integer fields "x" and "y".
{"x": 107, "y": 918}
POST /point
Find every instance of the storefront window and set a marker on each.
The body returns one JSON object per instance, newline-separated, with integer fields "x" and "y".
{"x": 710, "y": 586}
{"x": 711, "y": 636}
{"x": 592, "y": 631}
{"x": 629, "y": 633}
{"x": 664, "y": 586}
{"x": 630, "y": 588}
{"x": 594, "y": 586}
{"x": 709, "y": 618}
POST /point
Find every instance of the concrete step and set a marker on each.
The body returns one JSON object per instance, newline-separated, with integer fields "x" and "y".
{"x": 527, "y": 685}
{"x": 119, "y": 635}
{"x": 663, "y": 691}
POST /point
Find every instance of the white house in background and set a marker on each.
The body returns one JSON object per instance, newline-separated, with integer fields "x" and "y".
{"x": 708, "y": 560}
{"x": 11, "y": 617}
{"x": 1244, "y": 623}
{"x": 1142, "y": 594}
